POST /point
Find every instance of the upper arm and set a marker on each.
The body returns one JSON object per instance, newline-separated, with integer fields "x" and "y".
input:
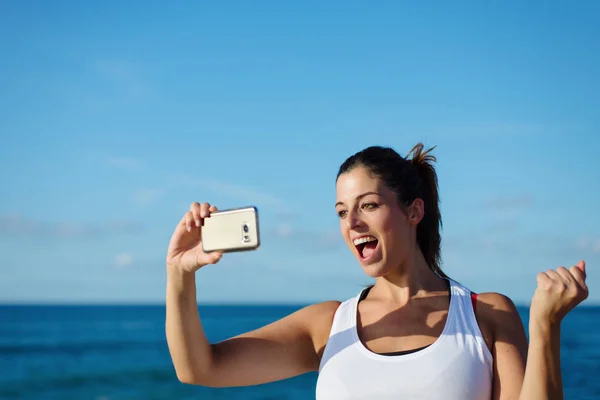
{"x": 509, "y": 343}
{"x": 285, "y": 348}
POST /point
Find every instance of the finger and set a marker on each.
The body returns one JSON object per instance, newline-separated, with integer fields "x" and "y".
{"x": 208, "y": 258}
{"x": 213, "y": 209}
{"x": 552, "y": 274}
{"x": 543, "y": 280}
{"x": 214, "y": 257}
{"x": 581, "y": 266}
{"x": 204, "y": 210}
{"x": 565, "y": 274}
{"x": 189, "y": 220}
{"x": 195, "y": 210}
{"x": 578, "y": 276}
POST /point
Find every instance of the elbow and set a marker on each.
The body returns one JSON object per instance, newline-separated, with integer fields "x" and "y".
{"x": 198, "y": 371}
{"x": 196, "y": 379}
{"x": 188, "y": 378}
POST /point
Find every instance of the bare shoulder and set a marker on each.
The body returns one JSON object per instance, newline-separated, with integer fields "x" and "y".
{"x": 317, "y": 314}
{"x": 318, "y": 318}
{"x": 325, "y": 309}
{"x": 496, "y": 309}
{"x": 322, "y": 308}
{"x": 498, "y": 316}
{"x": 312, "y": 321}
{"x": 496, "y": 301}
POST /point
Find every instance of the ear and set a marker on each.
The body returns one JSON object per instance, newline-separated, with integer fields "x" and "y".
{"x": 416, "y": 211}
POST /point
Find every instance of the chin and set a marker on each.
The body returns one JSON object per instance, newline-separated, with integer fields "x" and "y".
{"x": 375, "y": 270}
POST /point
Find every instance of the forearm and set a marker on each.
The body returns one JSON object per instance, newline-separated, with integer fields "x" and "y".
{"x": 542, "y": 372}
{"x": 188, "y": 345}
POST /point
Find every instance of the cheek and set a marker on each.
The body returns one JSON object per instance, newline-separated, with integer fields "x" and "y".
{"x": 344, "y": 231}
{"x": 391, "y": 223}
{"x": 396, "y": 230}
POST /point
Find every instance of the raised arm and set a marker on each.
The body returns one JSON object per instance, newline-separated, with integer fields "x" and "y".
{"x": 282, "y": 349}
{"x": 532, "y": 372}
{"x": 557, "y": 293}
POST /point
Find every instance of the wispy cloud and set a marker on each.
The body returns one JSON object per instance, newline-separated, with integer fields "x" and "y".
{"x": 284, "y": 231}
{"x": 123, "y": 260}
{"x": 126, "y": 77}
{"x": 141, "y": 196}
{"x": 589, "y": 244}
{"x": 147, "y": 196}
{"x": 504, "y": 129}
{"x": 240, "y": 192}
{"x": 107, "y": 84}
{"x": 306, "y": 239}
{"x": 129, "y": 163}
{"x": 15, "y": 225}
{"x": 521, "y": 245}
{"x": 509, "y": 203}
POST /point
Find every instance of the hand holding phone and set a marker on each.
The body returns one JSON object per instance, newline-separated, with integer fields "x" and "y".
{"x": 204, "y": 234}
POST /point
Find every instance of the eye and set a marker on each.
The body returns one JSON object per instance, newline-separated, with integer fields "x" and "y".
{"x": 342, "y": 213}
{"x": 369, "y": 206}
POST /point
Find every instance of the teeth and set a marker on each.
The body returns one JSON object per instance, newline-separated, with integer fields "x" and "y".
{"x": 363, "y": 239}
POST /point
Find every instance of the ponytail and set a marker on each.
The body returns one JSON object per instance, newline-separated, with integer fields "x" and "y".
{"x": 428, "y": 230}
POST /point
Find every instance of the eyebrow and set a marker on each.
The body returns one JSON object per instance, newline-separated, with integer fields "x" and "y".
{"x": 360, "y": 196}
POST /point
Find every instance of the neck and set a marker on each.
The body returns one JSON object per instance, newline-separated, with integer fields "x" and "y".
{"x": 412, "y": 279}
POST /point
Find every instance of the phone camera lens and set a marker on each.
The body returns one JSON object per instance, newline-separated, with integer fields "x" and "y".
{"x": 246, "y": 229}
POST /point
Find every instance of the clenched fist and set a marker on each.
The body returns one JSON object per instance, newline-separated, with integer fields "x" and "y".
{"x": 558, "y": 292}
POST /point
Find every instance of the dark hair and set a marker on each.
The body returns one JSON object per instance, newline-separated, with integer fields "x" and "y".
{"x": 409, "y": 179}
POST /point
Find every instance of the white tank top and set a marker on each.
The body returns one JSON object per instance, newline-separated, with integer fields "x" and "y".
{"x": 458, "y": 365}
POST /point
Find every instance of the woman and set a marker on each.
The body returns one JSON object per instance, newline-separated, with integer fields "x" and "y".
{"x": 414, "y": 334}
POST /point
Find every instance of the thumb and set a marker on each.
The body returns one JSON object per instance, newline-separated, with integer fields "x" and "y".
{"x": 581, "y": 266}
{"x": 214, "y": 257}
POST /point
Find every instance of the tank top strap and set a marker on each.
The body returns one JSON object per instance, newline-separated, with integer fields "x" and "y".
{"x": 464, "y": 314}
{"x": 342, "y": 328}
{"x": 343, "y": 318}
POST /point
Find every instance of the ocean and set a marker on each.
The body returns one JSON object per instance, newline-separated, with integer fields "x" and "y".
{"x": 120, "y": 352}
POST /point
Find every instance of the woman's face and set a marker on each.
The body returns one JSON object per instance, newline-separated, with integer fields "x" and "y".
{"x": 377, "y": 230}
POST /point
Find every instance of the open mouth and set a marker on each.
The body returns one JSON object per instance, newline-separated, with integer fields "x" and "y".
{"x": 366, "y": 246}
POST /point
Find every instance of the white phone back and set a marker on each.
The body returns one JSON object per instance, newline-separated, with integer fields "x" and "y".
{"x": 231, "y": 230}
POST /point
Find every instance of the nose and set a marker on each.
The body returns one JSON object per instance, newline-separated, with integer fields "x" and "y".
{"x": 353, "y": 220}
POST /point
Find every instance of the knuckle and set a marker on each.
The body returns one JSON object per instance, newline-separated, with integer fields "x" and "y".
{"x": 561, "y": 269}
{"x": 204, "y": 209}
{"x": 559, "y": 287}
{"x": 573, "y": 291}
{"x": 574, "y": 275}
{"x": 542, "y": 279}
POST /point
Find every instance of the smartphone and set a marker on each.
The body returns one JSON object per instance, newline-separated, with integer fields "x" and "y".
{"x": 231, "y": 230}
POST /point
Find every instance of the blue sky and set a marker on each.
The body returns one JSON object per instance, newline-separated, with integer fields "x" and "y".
{"x": 114, "y": 118}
